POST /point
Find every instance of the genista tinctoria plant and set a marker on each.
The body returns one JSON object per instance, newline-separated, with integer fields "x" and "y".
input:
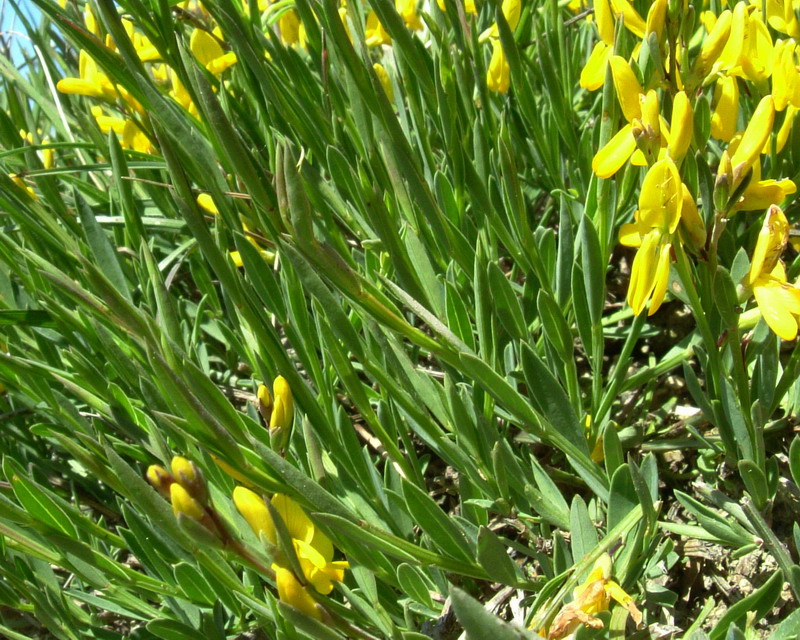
{"x": 399, "y": 319}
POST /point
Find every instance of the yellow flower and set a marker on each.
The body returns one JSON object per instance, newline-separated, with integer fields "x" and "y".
{"x": 655, "y": 222}
{"x": 283, "y": 405}
{"x": 726, "y": 108}
{"x": 713, "y": 44}
{"x": 313, "y": 548}
{"x": 47, "y": 156}
{"x": 785, "y": 76}
{"x": 408, "y": 11}
{"x": 292, "y": 31}
{"x": 181, "y": 95}
{"x": 593, "y": 74}
{"x": 748, "y": 52}
{"x": 206, "y": 202}
{"x": 91, "y": 83}
{"x": 511, "y": 12}
{"x": 160, "y": 479}
{"x": 498, "y": 76}
{"x": 383, "y": 78}
{"x": 253, "y": 509}
{"x": 374, "y": 32}
{"x": 469, "y": 6}
{"x": 188, "y": 475}
{"x": 777, "y": 300}
{"x": 590, "y": 598}
{"x": 753, "y": 140}
{"x": 761, "y": 194}
{"x": 293, "y": 593}
{"x": 208, "y": 51}
{"x": 608, "y": 160}
{"x": 183, "y": 503}
{"x": 631, "y": 18}
{"x": 681, "y": 127}
{"x": 17, "y": 180}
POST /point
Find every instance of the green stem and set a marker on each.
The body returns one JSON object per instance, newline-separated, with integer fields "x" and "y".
{"x": 684, "y": 271}
{"x": 621, "y": 368}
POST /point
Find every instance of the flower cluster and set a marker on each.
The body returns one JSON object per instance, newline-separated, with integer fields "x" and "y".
{"x": 675, "y": 63}
{"x": 185, "y": 487}
{"x": 312, "y": 548}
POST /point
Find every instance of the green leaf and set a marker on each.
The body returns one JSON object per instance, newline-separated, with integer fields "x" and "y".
{"x": 507, "y": 307}
{"x": 413, "y": 584}
{"x": 478, "y": 623}
{"x": 444, "y": 532}
{"x": 26, "y": 317}
{"x": 171, "y": 630}
{"x": 493, "y": 557}
{"x": 314, "y": 628}
{"x": 104, "y": 255}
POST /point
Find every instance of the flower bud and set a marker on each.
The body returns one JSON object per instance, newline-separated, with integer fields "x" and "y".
{"x": 160, "y": 478}
{"x": 183, "y": 503}
{"x": 189, "y": 476}
{"x": 283, "y": 408}
{"x": 264, "y": 403}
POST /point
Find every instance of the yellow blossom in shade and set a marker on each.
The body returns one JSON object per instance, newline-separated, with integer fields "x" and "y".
{"x": 590, "y": 598}
{"x": 209, "y": 52}
{"x": 293, "y": 593}
{"x": 134, "y": 138}
{"x": 498, "y": 76}
{"x": 383, "y": 78}
{"x": 681, "y": 127}
{"x": 778, "y": 301}
{"x": 692, "y": 227}
{"x": 47, "y": 156}
{"x": 512, "y": 10}
{"x": 632, "y": 20}
{"x": 233, "y": 473}
{"x": 91, "y": 83}
{"x": 753, "y": 139}
{"x": 408, "y": 11}
{"x": 180, "y": 94}
{"x": 160, "y": 479}
{"x": 90, "y": 21}
{"x": 184, "y": 503}
{"x": 783, "y": 133}
{"x": 374, "y": 32}
{"x": 17, "y": 180}
{"x": 292, "y": 31}
{"x": 206, "y": 203}
{"x": 469, "y": 6}
{"x": 713, "y": 44}
{"x": 726, "y": 108}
